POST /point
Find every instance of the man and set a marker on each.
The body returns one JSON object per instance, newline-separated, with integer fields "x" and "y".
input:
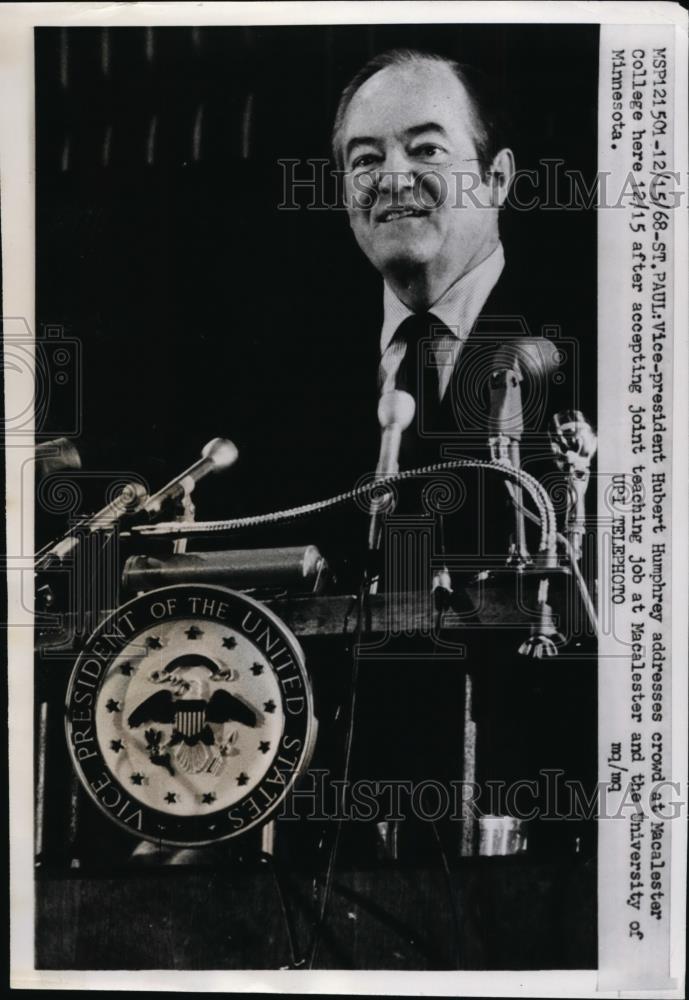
{"x": 425, "y": 182}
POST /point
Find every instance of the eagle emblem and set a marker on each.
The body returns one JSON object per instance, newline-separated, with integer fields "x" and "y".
{"x": 194, "y": 713}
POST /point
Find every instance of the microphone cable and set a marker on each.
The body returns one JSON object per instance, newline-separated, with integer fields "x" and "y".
{"x": 582, "y": 586}
{"x": 349, "y": 739}
{"x": 295, "y": 962}
{"x": 441, "y": 604}
{"x": 543, "y": 503}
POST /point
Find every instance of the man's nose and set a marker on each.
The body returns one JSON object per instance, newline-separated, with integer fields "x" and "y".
{"x": 395, "y": 174}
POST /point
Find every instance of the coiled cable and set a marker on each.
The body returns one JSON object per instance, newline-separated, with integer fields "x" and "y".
{"x": 369, "y": 490}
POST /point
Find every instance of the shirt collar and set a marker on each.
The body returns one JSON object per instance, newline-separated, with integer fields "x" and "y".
{"x": 458, "y": 308}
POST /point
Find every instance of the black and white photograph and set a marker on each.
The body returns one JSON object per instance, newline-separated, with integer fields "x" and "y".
{"x": 345, "y": 532}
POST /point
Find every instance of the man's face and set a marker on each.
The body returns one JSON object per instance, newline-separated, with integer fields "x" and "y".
{"x": 407, "y": 135}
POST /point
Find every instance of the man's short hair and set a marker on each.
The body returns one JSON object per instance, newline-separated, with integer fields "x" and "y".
{"x": 483, "y": 108}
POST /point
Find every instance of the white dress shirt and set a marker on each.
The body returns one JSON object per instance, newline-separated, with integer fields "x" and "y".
{"x": 458, "y": 309}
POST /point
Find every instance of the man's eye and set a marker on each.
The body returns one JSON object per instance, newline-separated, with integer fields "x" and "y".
{"x": 363, "y": 161}
{"x": 428, "y": 151}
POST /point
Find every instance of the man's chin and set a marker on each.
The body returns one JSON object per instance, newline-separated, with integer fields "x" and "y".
{"x": 402, "y": 260}
{"x": 395, "y": 253}
{"x": 390, "y": 249}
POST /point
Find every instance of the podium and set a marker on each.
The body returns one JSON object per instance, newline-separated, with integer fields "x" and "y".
{"x": 430, "y": 902}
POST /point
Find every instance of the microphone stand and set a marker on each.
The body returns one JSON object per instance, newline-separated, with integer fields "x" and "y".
{"x": 128, "y": 501}
{"x": 396, "y": 411}
{"x": 573, "y": 443}
{"x": 506, "y": 426}
{"x": 186, "y": 512}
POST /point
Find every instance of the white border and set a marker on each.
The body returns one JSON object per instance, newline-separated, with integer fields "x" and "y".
{"x": 680, "y": 520}
{"x": 17, "y": 191}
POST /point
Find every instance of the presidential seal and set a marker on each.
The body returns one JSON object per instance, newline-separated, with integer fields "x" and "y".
{"x": 189, "y": 714}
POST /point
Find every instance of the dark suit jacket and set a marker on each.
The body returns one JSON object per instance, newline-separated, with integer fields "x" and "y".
{"x": 304, "y": 415}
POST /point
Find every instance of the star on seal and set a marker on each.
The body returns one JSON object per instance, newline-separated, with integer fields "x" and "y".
{"x": 112, "y": 705}
{"x": 257, "y": 669}
{"x": 127, "y": 668}
{"x": 208, "y": 797}
{"x": 153, "y": 642}
{"x": 171, "y": 797}
{"x": 116, "y": 745}
{"x": 193, "y": 632}
{"x": 229, "y": 642}
{"x": 264, "y": 746}
{"x": 138, "y": 778}
{"x": 269, "y": 706}
{"x": 242, "y": 779}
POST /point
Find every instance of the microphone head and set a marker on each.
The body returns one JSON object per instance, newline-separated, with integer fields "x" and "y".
{"x": 133, "y": 495}
{"x": 534, "y": 358}
{"x": 572, "y": 439}
{"x": 396, "y": 408}
{"x": 506, "y": 359}
{"x": 221, "y": 452}
{"x": 131, "y": 498}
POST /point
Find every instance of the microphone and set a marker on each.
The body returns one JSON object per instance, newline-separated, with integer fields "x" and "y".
{"x": 217, "y": 455}
{"x": 505, "y": 419}
{"x": 573, "y": 442}
{"x": 128, "y": 501}
{"x": 532, "y": 360}
{"x": 56, "y": 456}
{"x": 396, "y": 411}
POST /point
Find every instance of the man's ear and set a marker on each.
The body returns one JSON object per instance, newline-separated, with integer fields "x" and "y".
{"x": 501, "y": 174}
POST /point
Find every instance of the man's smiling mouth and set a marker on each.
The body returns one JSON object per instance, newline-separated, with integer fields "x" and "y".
{"x": 401, "y": 213}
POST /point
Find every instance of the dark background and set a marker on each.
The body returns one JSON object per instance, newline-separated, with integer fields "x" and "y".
{"x": 162, "y": 252}
{"x": 194, "y": 307}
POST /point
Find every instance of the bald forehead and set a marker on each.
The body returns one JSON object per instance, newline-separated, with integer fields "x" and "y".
{"x": 388, "y": 100}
